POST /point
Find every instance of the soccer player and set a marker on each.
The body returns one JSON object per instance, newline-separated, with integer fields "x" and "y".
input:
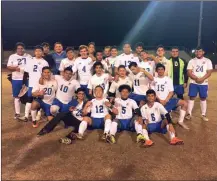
{"x": 199, "y": 70}
{"x": 99, "y": 58}
{"x": 146, "y": 63}
{"x": 163, "y": 87}
{"x": 152, "y": 113}
{"x": 111, "y": 60}
{"x": 34, "y": 68}
{"x": 107, "y": 52}
{"x": 100, "y": 117}
{"x": 141, "y": 82}
{"x": 65, "y": 92}
{"x": 126, "y": 58}
{"x": 139, "y": 47}
{"x": 58, "y": 55}
{"x": 16, "y": 63}
{"x": 162, "y": 59}
{"x": 83, "y": 66}
{"x": 122, "y": 79}
{"x": 178, "y": 72}
{"x": 124, "y": 119}
{"x": 91, "y": 50}
{"x": 44, "y": 95}
{"x": 68, "y": 62}
{"x": 48, "y": 57}
{"x": 99, "y": 78}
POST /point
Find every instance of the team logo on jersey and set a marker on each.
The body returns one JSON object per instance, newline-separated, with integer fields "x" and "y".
{"x": 176, "y": 64}
{"x": 204, "y": 62}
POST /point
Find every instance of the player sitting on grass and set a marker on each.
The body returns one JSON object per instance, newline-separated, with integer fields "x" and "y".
{"x": 125, "y": 119}
{"x": 163, "y": 87}
{"x": 100, "y": 117}
{"x": 44, "y": 95}
{"x": 141, "y": 82}
{"x": 152, "y": 113}
{"x": 66, "y": 90}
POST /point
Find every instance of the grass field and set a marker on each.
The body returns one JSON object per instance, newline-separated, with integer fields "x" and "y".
{"x": 27, "y": 157}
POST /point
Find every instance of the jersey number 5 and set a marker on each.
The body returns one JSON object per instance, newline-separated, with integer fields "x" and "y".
{"x": 123, "y": 110}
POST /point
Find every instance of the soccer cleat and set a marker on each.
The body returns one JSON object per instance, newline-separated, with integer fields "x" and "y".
{"x": 79, "y": 136}
{"x": 104, "y": 136}
{"x": 34, "y": 124}
{"x": 16, "y": 116}
{"x": 25, "y": 119}
{"x": 111, "y": 139}
{"x": 65, "y": 140}
{"x": 188, "y": 117}
{"x": 183, "y": 125}
{"x": 148, "y": 143}
{"x": 140, "y": 138}
{"x": 176, "y": 141}
{"x": 72, "y": 136}
{"x": 204, "y": 118}
{"x": 23, "y": 91}
{"x": 42, "y": 132}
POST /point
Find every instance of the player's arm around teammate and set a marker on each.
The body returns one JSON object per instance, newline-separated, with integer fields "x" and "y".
{"x": 152, "y": 113}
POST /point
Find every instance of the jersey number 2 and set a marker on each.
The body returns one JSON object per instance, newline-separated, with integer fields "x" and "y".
{"x": 35, "y": 68}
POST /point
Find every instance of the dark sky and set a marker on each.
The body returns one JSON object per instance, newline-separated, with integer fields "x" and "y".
{"x": 107, "y": 23}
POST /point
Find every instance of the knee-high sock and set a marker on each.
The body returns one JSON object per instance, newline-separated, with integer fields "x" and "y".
{"x": 27, "y": 109}
{"x": 190, "y": 106}
{"x": 108, "y": 123}
{"x": 138, "y": 128}
{"x": 33, "y": 114}
{"x": 181, "y": 116}
{"x": 17, "y": 105}
{"x": 172, "y": 135}
{"x": 114, "y": 127}
{"x": 203, "y": 107}
{"x": 145, "y": 134}
{"x": 82, "y": 127}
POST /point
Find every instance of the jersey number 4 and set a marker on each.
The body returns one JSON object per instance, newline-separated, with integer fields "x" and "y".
{"x": 64, "y": 88}
{"x": 84, "y": 69}
{"x": 99, "y": 109}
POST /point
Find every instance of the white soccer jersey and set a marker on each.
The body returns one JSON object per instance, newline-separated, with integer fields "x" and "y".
{"x": 149, "y": 66}
{"x": 20, "y": 61}
{"x": 78, "y": 111}
{"x": 166, "y": 63}
{"x": 153, "y": 114}
{"x": 125, "y": 60}
{"x": 83, "y": 67}
{"x": 125, "y": 108}
{"x": 162, "y": 86}
{"x": 102, "y": 80}
{"x": 34, "y": 68}
{"x": 115, "y": 85}
{"x": 67, "y": 63}
{"x": 50, "y": 88}
{"x": 98, "y": 108}
{"x": 111, "y": 64}
{"x": 199, "y": 68}
{"x": 141, "y": 83}
{"x": 66, "y": 89}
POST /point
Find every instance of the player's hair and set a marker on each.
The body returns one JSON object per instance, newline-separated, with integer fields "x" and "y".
{"x": 68, "y": 69}
{"x": 107, "y": 47}
{"x": 81, "y": 47}
{"x": 126, "y": 43}
{"x": 133, "y": 64}
{"x": 114, "y": 47}
{"x": 139, "y": 44}
{"x": 45, "y": 44}
{"x": 97, "y": 64}
{"x": 199, "y": 48}
{"x": 144, "y": 51}
{"x": 160, "y": 46}
{"x": 38, "y": 47}
{"x": 46, "y": 68}
{"x": 69, "y": 49}
{"x": 150, "y": 91}
{"x": 91, "y": 43}
{"x": 121, "y": 66}
{"x": 125, "y": 86}
{"x": 159, "y": 65}
{"x": 20, "y": 44}
{"x": 97, "y": 51}
{"x": 99, "y": 87}
{"x": 174, "y": 47}
{"x": 79, "y": 90}
{"x": 58, "y": 43}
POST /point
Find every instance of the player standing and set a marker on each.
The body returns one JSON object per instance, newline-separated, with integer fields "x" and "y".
{"x": 16, "y": 64}
{"x": 139, "y": 47}
{"x": 146, "y": 63}
{"x": 111, "y": 60}
{"x": 107, "y": 52}
{"x": 199, "y": 70}
{"x": 91, "y": 50}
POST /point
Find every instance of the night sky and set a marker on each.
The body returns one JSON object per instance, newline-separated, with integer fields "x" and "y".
{"x": 107, "y": 23}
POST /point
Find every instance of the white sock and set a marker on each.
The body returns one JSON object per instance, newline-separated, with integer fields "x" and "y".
{"x": 190, "y": 106}
{"x": 108, "y": 123}
{"x": 82, "y": 127}
{"x": 39, "y": 115}
{"x": 17, "y": 105}
{"x": 145, "y": 134}
{"x": 114, "y": 128}
{"x": 203, "y": 107}
{"x": 33, "y": 114}
{"x": 27, "y": 109}
{"x": 172, "y": 135}
{"x": 138, "y": 128}
{"x": 181, "y": 116}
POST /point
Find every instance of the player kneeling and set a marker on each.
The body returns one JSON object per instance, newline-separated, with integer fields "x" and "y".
{"x": 44, "y": 95}
{"x": 125, "y": 119}
{"x": 152, "y": 113}
{"x": 100, "y": 116}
